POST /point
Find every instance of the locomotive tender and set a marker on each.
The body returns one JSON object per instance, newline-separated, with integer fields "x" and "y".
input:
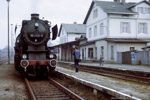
{"x": 32, "y": 56}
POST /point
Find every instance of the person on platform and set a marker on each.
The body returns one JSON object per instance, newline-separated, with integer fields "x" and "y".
{"x": 76, "y": 54}
{"x": 101, "y": 60}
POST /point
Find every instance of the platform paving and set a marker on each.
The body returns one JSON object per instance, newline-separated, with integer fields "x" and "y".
{"x": 141, "y": 68}
{"x": 133, "y": 89}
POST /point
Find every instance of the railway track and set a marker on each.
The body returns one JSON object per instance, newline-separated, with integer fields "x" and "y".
{"x": 2, "y": 61}
{"x": 119, "y": 75}
{"x": 49, "y": 89}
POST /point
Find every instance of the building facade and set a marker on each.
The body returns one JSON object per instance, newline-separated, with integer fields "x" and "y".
{"x": 113, "y": 27}
{"x": 69, "y": 35}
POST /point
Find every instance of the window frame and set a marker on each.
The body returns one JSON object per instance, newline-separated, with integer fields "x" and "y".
{"x": 95, "y": 30}
{"x": 95, "y": 13}
{"x": 90, "y": 52}
{"x": 142, "y": 28}
{"x": 125, "y": 27}
{"x": 101, "y": 28}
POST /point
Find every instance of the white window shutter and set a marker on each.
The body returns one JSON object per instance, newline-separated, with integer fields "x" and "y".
{"x": 138, "y": 28}
{"x": 146, "y": 28}
{"x": 129, "y": 29}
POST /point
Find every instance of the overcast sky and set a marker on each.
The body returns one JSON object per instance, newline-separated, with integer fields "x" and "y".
{"x": 56, "y": 11}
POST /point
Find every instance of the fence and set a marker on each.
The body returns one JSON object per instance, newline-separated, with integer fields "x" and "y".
{"x": 140, "y": 57}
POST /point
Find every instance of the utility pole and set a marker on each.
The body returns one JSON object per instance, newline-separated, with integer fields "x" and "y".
{"x": 12, "y": 42}
{"x": 8, "y": 33}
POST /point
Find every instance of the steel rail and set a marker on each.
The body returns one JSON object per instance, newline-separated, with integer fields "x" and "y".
{"x": 66, "y": 90}
{"x": 56, "y": 91}
{"x": 32, "y": 95}
{"x": 2, "y": 61}
{"x": 113, "y": 74}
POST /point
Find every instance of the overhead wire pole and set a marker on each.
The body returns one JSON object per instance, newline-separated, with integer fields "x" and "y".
{"x": 8, "y": 33}
{"x": 12, "y": 42}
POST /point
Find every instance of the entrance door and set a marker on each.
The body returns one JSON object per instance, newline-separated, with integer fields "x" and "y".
{"x": 126, "y": 58}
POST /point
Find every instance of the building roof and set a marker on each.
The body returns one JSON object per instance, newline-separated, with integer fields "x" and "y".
{"x": 147, "y": 47}
{"x": 112, "y": 8}
{"x": 123, "y": 40}
{"x": 88, "y": 43}
{"x": 140, "y": 3}
{"x": 73, "y": 28}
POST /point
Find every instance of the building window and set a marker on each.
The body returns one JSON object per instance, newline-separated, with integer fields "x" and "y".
{"x": 101, "y": 29}
{"x": 143, "y": 10}
{"x": 90, "y": 32}
{"x": 90, "y": 52}
{"x": 85, "y": 53}
{"x": 82, "y": 53}
{"x": 125, "y": 27}
{"x": 132, "y": 48}
{"x": 112, "y": 52}
{"x": 95, "y": 30}
{"x": 146, "y": 10}
{"x": 142, "y": 28}
{"x": 96, "y": 52}
{"x": 102, "y": 51}
{"x": 95, "y": 13}
{"x": 140, "y": 10}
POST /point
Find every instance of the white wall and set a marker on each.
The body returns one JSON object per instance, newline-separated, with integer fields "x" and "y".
{"x": 63, "y": 36}
{"x": 98, "y": 44}
{"x": 143, "y": 16}
{"x": 115, "y": 29}
{"x": 123, "y": 47}
{"x": 115, "y": 20}
{"x": 72, "y": 36}
{"x": 91, "y": 22}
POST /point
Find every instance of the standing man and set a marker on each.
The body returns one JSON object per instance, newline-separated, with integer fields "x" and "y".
{"x": 76, "y": 54}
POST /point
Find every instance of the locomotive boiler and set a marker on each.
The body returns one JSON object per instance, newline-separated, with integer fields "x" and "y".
{"x": 32, "y": 56}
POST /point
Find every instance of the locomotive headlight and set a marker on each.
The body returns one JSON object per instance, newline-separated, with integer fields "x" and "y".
{"x": 36, "y": 24}
{"x": 24, "y": 56}
{"x": 51, "y": 56}
{"x": 24, "y": 63}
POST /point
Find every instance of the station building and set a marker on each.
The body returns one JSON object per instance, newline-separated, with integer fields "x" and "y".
{"x": 113, "y": 27}
{"x": 108, "y": 28}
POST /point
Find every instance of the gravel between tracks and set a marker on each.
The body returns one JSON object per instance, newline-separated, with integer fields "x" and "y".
{"x": 12, "y": 85}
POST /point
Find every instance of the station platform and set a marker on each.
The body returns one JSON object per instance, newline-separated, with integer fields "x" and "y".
{"x": 141, "y": 68}
{"x": 135, "y": 90}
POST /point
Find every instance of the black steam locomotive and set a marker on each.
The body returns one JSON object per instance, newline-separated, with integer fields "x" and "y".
{"x": 32, "y": 56}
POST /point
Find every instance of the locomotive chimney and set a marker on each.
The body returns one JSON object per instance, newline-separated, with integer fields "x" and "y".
{"x": 34, "y": 16}
{"x": 116, "y": 0}
{"x": 123, "y": 1}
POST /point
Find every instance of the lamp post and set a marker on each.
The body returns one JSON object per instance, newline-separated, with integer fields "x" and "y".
{"x": 8, "y": 33}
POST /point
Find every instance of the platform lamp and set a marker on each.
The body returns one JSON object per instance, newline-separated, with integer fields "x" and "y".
{"x": 8, "y": 33}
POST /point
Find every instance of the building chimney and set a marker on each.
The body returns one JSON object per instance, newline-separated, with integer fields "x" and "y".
{"x": 116, "y": 0}
{"x": 74, "y": 22}
{"x": 123, "y": 1}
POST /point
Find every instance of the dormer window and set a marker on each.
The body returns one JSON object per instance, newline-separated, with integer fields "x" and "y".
{"x": 140, "y": 10}
{"x": 147, "y": 11}
{"x": 95, "y": 13}
{"x": 143, "y": 10}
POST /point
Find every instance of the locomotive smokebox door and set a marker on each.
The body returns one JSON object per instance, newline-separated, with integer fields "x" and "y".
{"x": 55, "y": 31}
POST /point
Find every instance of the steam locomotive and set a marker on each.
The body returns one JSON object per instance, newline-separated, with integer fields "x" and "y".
{"x": 32, "y": 56}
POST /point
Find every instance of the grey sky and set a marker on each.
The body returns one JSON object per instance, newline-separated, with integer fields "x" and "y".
{"x": 56, "y": 11}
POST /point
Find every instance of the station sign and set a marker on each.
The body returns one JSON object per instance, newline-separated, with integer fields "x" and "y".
{"x": 132, "y": 56}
